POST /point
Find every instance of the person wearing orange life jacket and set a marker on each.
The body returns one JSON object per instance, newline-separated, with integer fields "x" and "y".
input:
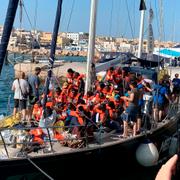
{"x": 37, "y": 111}
{"x": 61, "y": 111}
{"x": 101, "y": 114}
{"x": 60, "y": 96}
{"x": 57, "y": 95}
{"x": 49, "y": 96}
{"x": 73, "y": 97}
{"x": 69, "y": 76}
{"x": 110, "y": 75}
{"x": 37, "y": 135}
{"x": 78, "y": 82}
{"x": 100, "y": 87}
{"x": 76, "y": 120}
{"x": 118, "y": 75}
{"x": 108, "y": 90}
{"x": 88, "y": 97}
{"x": 99, "y": 98}
{"x": 113, "y": 120}
{"x": 66, "y": 89}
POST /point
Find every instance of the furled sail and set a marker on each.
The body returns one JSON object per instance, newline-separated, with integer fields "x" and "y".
{"x": 150, "y": 45}
{"x": 8, "y": 25}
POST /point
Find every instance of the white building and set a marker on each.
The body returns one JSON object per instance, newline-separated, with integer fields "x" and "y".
{"x": 76, "y": 37}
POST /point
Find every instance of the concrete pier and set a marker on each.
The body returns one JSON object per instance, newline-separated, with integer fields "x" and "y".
{"x": 59, "y": 70}
{"x": 173, "y": 70}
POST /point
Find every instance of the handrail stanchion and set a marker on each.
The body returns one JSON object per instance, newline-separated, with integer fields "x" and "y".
{"x": 50, "y": 140}
{"x": 86, "y": 136}
{"x": 4, "y": 144}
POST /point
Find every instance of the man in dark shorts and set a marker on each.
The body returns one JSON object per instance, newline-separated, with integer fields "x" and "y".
{"x": 159, "y": 97}
{"x": 34, "y": 83}
{"x": 21, "y": 89}
{"x": 176, "y": 88}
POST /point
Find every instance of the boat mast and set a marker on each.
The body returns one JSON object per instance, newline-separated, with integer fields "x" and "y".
{"x": 91, "y": 46}
{"x": 142, "y": 8}
{"x": 53, "y": 49}
{"x": 8, "y": 25}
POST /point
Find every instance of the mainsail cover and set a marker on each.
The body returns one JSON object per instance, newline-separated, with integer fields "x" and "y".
{"x": 8, "y": 25}
{"x": 53, "y": 49}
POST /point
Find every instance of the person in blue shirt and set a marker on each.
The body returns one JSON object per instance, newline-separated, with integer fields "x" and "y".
{"x": 159, "y": 97}
{"x": 176, "y": 88}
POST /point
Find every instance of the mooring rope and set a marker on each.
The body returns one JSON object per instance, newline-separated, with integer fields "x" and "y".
{"x": 37, "y": 167}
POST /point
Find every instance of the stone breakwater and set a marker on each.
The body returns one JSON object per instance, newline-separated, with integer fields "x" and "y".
{"x": 43, "y": 51}
{"x": 59, "y": 70}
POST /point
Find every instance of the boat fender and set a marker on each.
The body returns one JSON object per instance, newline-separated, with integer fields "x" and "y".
{"x": 147, "y": 154}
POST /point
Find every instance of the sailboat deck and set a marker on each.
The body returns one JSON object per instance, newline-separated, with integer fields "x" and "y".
{"x": 109, "y": 140}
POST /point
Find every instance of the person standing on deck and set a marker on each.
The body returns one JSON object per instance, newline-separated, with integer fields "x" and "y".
{"x": 176, "y": 88}
{"x": 34, "y": 83}
{"x": 132, "y": 109}
{"x": 21, "y": 89}
{"x": 160, "y": 94}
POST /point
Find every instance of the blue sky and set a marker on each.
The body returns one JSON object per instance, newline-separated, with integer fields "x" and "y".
{"x": 112, "y": 18}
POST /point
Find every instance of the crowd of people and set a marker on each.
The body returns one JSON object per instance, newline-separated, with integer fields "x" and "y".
{"x": 115, "y": 102}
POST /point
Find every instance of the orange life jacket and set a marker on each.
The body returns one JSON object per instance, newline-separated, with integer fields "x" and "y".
{"x": 69, "y": 78}
{"x": 109, "y": 76}
{"x": 37, "y": 112}
{"x": 80, "y": 119}
{"x": 37, "y": 133}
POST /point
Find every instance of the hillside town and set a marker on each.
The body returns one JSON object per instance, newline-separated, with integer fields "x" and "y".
{"x": 72, "y": 43}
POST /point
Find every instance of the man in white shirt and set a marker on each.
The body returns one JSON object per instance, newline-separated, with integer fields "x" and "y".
{"x": 21, "y": 89}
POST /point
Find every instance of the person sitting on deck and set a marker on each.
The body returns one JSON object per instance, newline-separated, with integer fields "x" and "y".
{"x": 100, "y": 87}
{"x": 73, "y": 97}
{"x": 37, "y": 111}
{"x": 101, "y": 114}
{"x": 60, "y": 96}
{"x": 113, "y": 120}
{"x": 76, "y": 119}
{"x": 108, "y": 89}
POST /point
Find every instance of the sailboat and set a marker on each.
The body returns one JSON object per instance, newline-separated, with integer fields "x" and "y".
{"x": 149, "y": 148}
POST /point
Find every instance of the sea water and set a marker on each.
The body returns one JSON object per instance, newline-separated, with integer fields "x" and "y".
{"x": 7, "y": 78}
{"x": 6, "y": 94}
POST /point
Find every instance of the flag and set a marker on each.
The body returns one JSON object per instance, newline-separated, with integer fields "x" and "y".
{"x": 142, "y": 5}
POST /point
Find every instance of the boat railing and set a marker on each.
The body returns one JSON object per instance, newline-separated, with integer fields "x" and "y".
{"x": 21, "y": 138}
